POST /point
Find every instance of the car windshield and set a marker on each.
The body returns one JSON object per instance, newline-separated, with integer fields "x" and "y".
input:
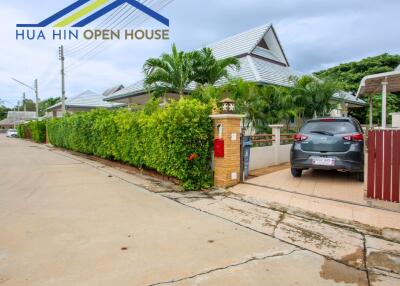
{"x": 328, "y": 127}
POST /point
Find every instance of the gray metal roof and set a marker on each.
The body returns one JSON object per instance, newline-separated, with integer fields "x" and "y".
{"x": 16, "y": 117}
{"x": 239, "y": 44}
{"x": 87, "y": 99}
{"x": 349, "y": 98}
{"x": 112, "y": 90}
{"x": 137, "y": 87}
{"x": 253, "y": 68}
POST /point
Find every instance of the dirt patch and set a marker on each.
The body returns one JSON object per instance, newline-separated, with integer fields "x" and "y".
{"x": 355, "y": 259}
{"x": 340, "y": 273}
{"x": 384, "y": 261}
{"x": 241, "y": 211}
{"x": 269, "y": 170}
{"x": 298, "y": 233}
{"x": 157, "y": 178}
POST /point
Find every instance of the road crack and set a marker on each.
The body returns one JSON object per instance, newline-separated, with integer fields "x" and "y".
{"x": 280, "y": 254}
{"x": 365, "y": 258}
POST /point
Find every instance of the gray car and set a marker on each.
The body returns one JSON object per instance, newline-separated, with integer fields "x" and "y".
{"x": 329, "y": 144}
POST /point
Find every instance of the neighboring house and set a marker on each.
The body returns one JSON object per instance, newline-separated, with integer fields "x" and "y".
{"x": 85, "y": 101}
{"x": 113, "y": 90}
{"x": 16, "y": 117}
{"x": 344, "y": 101}
{"x": 262, "y": 60}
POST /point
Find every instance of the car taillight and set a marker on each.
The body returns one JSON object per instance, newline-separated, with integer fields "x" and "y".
{"x": 354, "y": 137}
{"x": 299, "y": 137}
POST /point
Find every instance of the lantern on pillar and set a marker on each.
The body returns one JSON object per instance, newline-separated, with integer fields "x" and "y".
{"x": 228, "y": 106}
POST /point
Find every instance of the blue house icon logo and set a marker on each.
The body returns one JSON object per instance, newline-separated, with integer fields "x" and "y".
{"x": 83, "y": 13}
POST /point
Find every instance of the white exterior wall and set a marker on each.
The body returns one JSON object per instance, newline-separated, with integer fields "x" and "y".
{"x": 396, "y": 120}
{"x": 340, "y": 110}
{"x": 262, "y": 157}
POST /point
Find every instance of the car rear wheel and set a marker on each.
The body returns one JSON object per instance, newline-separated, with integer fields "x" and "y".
{"x": 360, "y": 177}
{"x": 296, "y": 172}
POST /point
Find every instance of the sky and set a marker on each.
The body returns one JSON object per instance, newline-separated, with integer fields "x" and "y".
{"x": 314, "y": 34}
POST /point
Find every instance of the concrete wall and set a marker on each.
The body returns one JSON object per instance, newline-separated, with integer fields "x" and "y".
{"x": 262, "y": 157}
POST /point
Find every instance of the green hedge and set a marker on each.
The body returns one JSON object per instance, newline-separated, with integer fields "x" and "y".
{"x": 21, "y": 131}
{"x": 35, "y": 130}
{"x": 174, "y": 141}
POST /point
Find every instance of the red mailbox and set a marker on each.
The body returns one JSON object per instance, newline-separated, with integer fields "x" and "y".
{"x": 219, "y": 148}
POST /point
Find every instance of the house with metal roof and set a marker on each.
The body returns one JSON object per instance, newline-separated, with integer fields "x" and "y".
{"x": 112, "y": 90}
{"x": 261, "y": 57}
{"x": 262, "y": 60}
{"x": 344, "y": 101}
{"x": 15, "y": 118}
{"x": 84, "y": 101}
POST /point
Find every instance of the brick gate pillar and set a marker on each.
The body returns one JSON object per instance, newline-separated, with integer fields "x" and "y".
{"x": 227, "y": 168}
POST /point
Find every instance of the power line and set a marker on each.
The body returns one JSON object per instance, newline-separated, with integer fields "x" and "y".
{"x": 90, "y": 54}
{"x": 115, "y": 23}
{"x": 110, "y": 26}
{"x": 86, "y": 44}
{"x": 78, "y": 45}
{"x": 90, "y": 42}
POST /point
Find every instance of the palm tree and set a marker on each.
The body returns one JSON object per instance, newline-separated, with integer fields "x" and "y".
{"x": 170, "y": 72}
{"x": 312, "y": 96}
{"x": 207, "y": 70}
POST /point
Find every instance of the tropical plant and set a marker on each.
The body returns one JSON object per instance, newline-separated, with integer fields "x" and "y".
{"x": 263, "y": 105}
{"x": 312, "y": 97}
{"x": 169, "y": 73}
{"x": 207, "y": 70}
{"x": 174, "y": 72}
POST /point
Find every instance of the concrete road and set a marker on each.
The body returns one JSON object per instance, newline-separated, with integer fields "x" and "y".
{"x": 66, "y": 221}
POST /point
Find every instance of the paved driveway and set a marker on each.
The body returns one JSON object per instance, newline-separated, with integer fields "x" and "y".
{"x": 318, "y": 183}
{"x": 68, "y": 221}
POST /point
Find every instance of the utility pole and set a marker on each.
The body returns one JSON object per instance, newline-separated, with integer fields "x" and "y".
{"x": 37, "y": 98}
{"x": 24, "y": 101}
{"x": 61, "y": 57}
{"x": 35, "y": 89}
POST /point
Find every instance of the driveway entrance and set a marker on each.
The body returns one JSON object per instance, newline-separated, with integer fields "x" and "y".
{"x": 330, "y": 194}
{"x": 332, "y": 185}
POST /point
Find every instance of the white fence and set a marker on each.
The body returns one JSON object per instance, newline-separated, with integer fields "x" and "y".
{"x": 262, "y": 157}
{"x": 266, "y": 156}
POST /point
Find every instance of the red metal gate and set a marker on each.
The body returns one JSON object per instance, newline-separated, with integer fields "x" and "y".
{"x": 384, "y": 165}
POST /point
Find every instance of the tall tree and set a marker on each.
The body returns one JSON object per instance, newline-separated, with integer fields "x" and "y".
{"x": 44, "y": 104}
{"x": 175, "y": 71}
{"x": 170, "y": 72}
{"x": 350, "y": 75}
{"x": 208, "y": 70}
{"x": 3, "y": 111}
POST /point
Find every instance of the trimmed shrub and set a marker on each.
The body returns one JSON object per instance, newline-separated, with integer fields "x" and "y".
{"x": 21, "y": 131}
{"x": 175, "y": 140}
{"x": 35, "y": 130}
